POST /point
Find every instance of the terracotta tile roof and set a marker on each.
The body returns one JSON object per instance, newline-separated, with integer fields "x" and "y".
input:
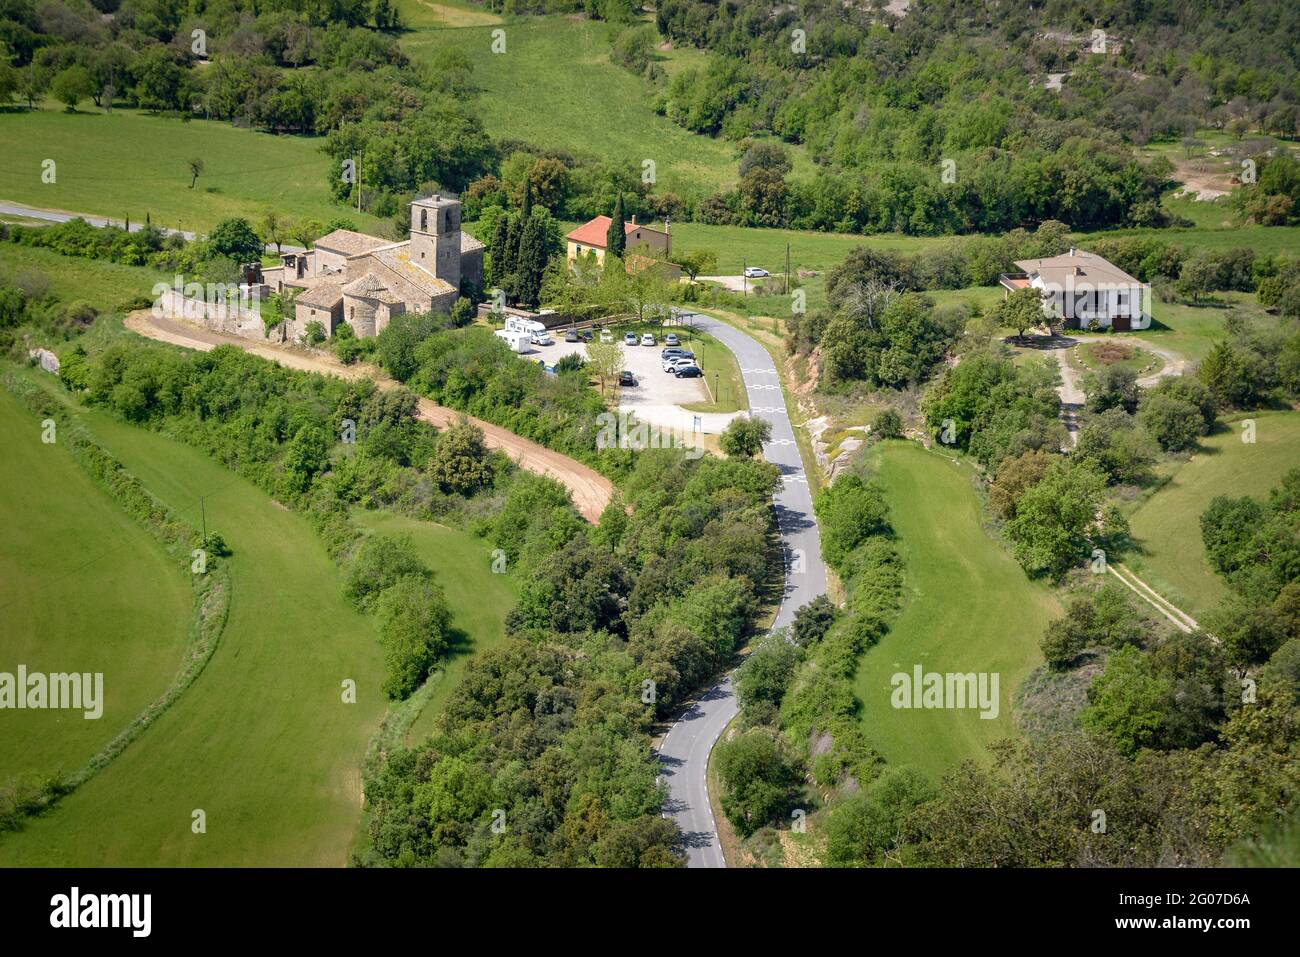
{"x": 593, "y": 232}
{"x": 350, "y": 243}
{"x": 1082, "y": 266}
{"x": 323, "y": 295}
{"x": 398, "y": 259}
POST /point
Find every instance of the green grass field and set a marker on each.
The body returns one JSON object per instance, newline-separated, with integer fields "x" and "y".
{"x": 105, "y": 285}
{"x": 555, "y": 87}
{"x": 1166, "y": 525}
{"x": 478, "y": 598}
{"x": 128, "y": 163}
{"x": 968, "y": 607}
{"x": 83, "y": 588}
{"x": 262, "y": 742}
{"x": 433, "y": 15}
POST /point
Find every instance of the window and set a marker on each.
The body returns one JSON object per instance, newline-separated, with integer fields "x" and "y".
{"x": 424, "y": 219}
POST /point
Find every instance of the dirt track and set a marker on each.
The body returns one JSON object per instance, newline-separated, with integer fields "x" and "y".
{"x": 590, "y": 490}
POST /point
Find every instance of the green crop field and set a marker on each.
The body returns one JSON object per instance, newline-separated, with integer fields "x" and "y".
{"x": 968, "y": 608}
{"x": 83, "y": 588}
{"x": 128, "y": 163}
{"x": 1166, "y": 526}
{"x": 555, "y": 87}
{"x": 263, "y": 742}
{"x": 478, "y": 598}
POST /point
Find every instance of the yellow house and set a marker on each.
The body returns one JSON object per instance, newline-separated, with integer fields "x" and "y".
{"x": 590, "y": 238}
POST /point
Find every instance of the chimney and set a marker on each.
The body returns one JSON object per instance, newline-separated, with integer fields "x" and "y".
{"x": 634, "y": 219}
{"x": 1071, "y": 250}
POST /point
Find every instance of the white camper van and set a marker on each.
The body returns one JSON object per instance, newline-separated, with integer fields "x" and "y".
{"x": 535, "y": 330}
{"x": 517, "y": 341}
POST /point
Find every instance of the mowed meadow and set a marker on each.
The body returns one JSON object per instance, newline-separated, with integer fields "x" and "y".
{"x": 129, "y": 163}
{"x": 1169, "y": 552}
{"x": 479, "y": 599}
{"x": 968, "y": 607}
{"x": 84, "y": 589}
{"x": 263, "y": 742}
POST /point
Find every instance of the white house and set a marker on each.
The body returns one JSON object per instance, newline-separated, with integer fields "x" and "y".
{"x": 1081, "y": 290}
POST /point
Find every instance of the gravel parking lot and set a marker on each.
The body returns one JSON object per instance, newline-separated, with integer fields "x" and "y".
{"x": 657, "y": 396}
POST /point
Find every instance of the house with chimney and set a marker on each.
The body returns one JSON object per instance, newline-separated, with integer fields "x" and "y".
{"x": 1081, "y": 290}
{"x": 647, "y": 247}
{"x": 364, "y": 281}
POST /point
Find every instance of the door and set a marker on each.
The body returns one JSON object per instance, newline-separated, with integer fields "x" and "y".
{"x": 1122, "y": 323}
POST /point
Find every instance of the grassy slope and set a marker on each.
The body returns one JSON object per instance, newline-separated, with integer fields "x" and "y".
{"x": 555, "y": 87}
{"x": 479, "y": 600}
{"x": 128, "y": 163}
{"x": 82, "y": 588}
{"x": 103, "y": 284}
{"x": 1166, "y": 525}
{"x": 262, "y": 742}
{"x": 969, "y": 607}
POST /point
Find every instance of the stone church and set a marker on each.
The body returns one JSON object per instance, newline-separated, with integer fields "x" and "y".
{"x": 365, "y": 281}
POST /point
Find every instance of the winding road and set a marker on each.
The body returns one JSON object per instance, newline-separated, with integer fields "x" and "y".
{"x": 684, "y": 753}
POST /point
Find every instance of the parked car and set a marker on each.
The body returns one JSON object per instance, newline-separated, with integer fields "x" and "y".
{"x": 626, "y": 378}
{"x": 629, "y": 338}
{"x": 585, "y": 335}
{"x": 670, "y": 364}
{"x": 755, "y": 272}
{"x": 542, "y": 339}
{"x": 647, "y": 339}
{"x": 606, "y": 336}
{"x": 672, "y": 340}
{"x": 672, "y": 351}
{"x": 571, "y": 335}
{"x": 688, "y": 372}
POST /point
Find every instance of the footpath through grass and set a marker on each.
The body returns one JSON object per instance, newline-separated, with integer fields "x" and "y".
{"x": 968, "y": 608}
{"x": 83, "y": 588}
{"x": 479, "y": 599}
{"x": 1166, "y": 526}
{"x": 263, "y": 742}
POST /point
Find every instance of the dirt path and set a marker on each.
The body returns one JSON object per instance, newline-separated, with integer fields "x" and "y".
{"x": 1071, "y": 390}
{"x": 591, "y": 491}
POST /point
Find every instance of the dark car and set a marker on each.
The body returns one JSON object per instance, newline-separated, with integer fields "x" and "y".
{"x": 571, "y": 336}
{"x": 626, "y": 378}
{"x": 585, "y": 335}
{"x": 688, "y": 372}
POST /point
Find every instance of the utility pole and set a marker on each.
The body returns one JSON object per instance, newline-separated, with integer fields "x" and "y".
{"x": 744, "y": 278}
{"x": 360, "y": 154}
{"x": 203, "y": 511}
{"x": 787, "y": 269}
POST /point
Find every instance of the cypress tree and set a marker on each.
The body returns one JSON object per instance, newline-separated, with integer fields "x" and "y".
{"x": 532, "y": 261}
{"x": 616, "y": 239}
{"x": 500, "y": 244}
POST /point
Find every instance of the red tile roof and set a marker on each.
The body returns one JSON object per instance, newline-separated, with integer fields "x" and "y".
{"x": 593, "y": 233}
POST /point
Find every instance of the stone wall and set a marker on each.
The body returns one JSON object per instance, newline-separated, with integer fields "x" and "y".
{"x": 233, "y": 319}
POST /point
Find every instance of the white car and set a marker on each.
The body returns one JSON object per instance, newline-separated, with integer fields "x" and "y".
{"x": 677, "y": 362}
{"x": 647, "y": 339}
{"x": 542, "y": 339}
{"x": 754, "y": 272}
{"x": 606, "y": 336}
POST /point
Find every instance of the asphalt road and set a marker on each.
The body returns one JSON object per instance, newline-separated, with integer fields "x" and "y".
{"x": 684, "y": 753}
{"x": 9, "y": 208}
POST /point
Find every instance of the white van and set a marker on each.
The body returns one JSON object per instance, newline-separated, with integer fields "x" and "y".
{"x": 517, "y": 341}
{"x": 536, "y": 331}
